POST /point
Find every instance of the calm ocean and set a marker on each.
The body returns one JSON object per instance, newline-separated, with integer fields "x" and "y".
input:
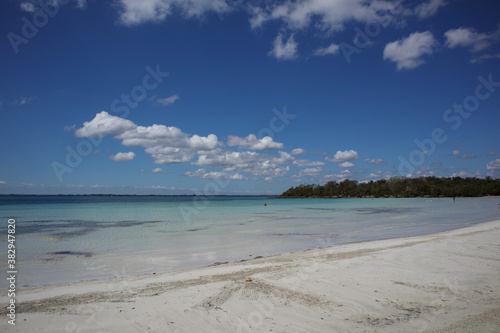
{"x": 70, "y": 238}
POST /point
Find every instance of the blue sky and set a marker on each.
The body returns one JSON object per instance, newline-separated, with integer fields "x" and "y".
{"x": 234, "y": 97}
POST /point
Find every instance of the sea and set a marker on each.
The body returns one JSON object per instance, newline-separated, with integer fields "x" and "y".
{"x": 60, "y": 239}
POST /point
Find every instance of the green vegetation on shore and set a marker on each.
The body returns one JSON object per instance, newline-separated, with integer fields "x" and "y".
{"x": 399, "y": 188}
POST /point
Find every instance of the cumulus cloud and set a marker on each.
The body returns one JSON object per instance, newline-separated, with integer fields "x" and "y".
{"x": 251, "y": 142}
{"x": 139, "y": 11}
{"x": 407, "y": 53}
{"x": 331, "y": 49}
{"x": 151, "y": 136}
{"x": 169, "y": 155}
{"x": 338, "y": 176}
{"x": 375, "y": 161}
{"x": 470, "y": 38}
{"x": 284, "y": 51}
{"x": 122, "y": 157}
{"x": 298, "y": 151}
{"x": 229, "y": 158}
{"x": 168, "y": 100}
{"x": 166, "y": 144}
{"x": 267, "y": 168}
{"x": 309, "y": 172}
{"x": 346, "y": 164}
{"x": 27, "y": 7}
{"x": 202, "y": 173}
{"x": 306, "y": 163}
{"x": 459, "y": 174}
{"x": 325, "y": 15}
{"x": 158, "y": 170}
{"x": 104, "y": 124}
{"x": 251, "y": 162}
{"x": 494, "y": 165}
{"x": 343, "y": 156}
{"x": 429, "y": 8}
{"x": 465, "y": 156}
{"x": 376, "y": 174}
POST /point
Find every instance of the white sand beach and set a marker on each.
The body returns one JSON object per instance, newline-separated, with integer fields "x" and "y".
{"x": 445, "y": 282}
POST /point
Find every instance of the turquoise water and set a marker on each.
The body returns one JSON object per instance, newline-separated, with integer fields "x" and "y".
{"x": 61, "y": 239}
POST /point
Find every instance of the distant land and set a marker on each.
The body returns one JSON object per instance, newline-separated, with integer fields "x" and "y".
{"x": 399, "y": 188}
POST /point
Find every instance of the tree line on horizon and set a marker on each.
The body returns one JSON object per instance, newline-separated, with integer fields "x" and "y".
{"x": 399, "y": 188}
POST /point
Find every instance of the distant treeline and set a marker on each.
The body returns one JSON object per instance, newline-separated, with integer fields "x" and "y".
{"x": 399, "y": 188}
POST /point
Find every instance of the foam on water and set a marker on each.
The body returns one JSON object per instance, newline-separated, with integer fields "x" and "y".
{"x": 62, "y": 239}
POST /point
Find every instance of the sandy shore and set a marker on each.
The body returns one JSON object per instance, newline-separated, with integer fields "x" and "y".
{"x": 446, "y": 282}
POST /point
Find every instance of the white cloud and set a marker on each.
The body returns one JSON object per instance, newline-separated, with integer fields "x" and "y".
{"x": 494, "y": 165}
{"x": 309, "y": 172}
{"x": 251, "y": 142}
{"x": 429, "y": 8}
{"x": 104, "y": 124}
{"x": 250, "y": 162}
{"x": 202, "y": 173}
{"x": 465, "y": 156}
{"x": 298, "y": 151}
{"x": 229, "y": 158}
{"x": 141, "y": 11}
{"x": 338, "y": 176}
{"x": 375, "y": 161}
{"x": 461, "y": 174}
{"x": 346, "y": 164}
{"x": 267, "y": 168}
{"x": 2, "y": 182}
{"x": 376, "y": 174}
{"x": 484, "y": 57}
{"x": 283, "y": 158}
{"x": 122, "y": 157}
{"x": 161, "y": 135}
{"x": 470, "y": 38}
{"x": 69, "y": 128}
{"x": 169, "y": 155}
{"x": 81, "y": 3}
{"x": 158, "y": 170}
{"x": 331, "y": 49}
{"x": 407, "y": 53}
{"x": 27, "y": 7}
{"x": 456, "y": 152}
{"x": 284, "y": 51}
{"x": 342, "y": 156}
{"x": 325, "y": 15}
{"x": 306, "y": 163}
{"x": 168, "y": 100}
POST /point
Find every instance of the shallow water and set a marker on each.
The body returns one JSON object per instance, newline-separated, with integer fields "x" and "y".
{"x": 61, "y": 239}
